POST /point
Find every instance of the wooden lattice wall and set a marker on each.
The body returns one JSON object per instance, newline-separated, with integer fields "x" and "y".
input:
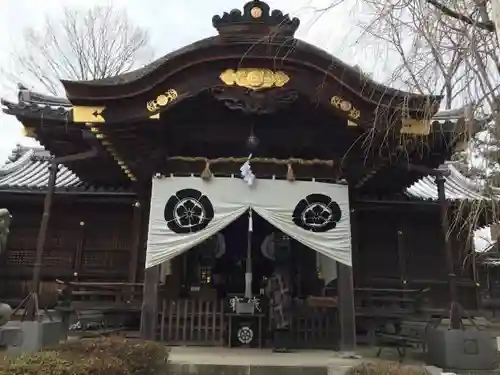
{"x": 91, "y": 240}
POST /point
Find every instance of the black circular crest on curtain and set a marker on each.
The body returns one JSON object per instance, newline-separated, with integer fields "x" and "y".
{"x": 317, "y": 213}
{"x": 188, "y": 211}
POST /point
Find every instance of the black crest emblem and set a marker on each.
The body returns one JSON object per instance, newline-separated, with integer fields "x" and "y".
{"x": 188, "y": 211}
{"x": 317, "y": 213}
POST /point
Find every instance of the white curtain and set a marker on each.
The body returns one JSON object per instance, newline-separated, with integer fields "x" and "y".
{"x": 188, "y": 210}
{"x": 327, "y": 268}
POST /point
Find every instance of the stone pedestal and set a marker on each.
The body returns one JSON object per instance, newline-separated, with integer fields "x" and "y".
{"x": 469, "y": 349}
{"x": 37, "y": 334}
{"x": 10, "y": 336}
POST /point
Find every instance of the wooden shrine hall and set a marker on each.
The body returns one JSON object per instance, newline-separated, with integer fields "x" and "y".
{"x": 114, "y": 147}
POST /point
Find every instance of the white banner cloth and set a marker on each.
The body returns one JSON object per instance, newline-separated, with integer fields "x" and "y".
{"x": 185, "y": 211}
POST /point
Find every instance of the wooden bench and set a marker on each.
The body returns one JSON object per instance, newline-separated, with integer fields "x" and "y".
{"x": 408, "y": 334}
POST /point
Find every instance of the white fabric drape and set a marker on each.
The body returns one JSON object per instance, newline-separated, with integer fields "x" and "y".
{"x": 327, "y": 267}
{"x": 188, "y": 210}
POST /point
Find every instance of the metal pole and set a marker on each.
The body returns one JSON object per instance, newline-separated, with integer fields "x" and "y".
{"x": 248, "y": 273}
{"x": 455, "y": 318}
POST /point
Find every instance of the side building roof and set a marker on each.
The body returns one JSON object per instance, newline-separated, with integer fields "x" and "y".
{"x": 457, "y": 187}
{"x": 27, "y": 171}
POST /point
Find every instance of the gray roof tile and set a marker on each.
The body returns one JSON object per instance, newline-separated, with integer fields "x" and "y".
{"x": 457, "y": 187}
{"x": 28, "y": 170}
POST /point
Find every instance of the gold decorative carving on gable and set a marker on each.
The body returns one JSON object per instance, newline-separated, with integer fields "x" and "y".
{"x": 254, "y": 78}
{"x": 415, "y": 127}
{"x": 88, "y": 114}
{"x": 256, "y": 12}
{"x": 352, "y": 112}
{"x": 162, "y": 100}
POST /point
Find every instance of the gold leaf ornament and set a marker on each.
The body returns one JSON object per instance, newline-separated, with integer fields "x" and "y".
{"x": 345, "y": 106}
{"x": 256, "y": 12}
{"x": 162, "y": 100}
{"x": 254, "y": 79}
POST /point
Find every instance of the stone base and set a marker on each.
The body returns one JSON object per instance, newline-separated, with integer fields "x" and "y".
{"x": 10, "y": 336}
{"x": 36, "y": 335}
{"x": 461, "y": 349}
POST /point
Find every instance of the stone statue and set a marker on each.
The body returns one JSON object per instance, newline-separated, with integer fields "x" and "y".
{"x": 5, "y": 220}
{"x": 5, "y": 314}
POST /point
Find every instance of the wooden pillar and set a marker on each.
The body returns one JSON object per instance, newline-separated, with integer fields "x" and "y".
{"x": 402, "y": 258}
{"x": 150, "y": 310}
{"x": 80, "y": 250}
{"x": 149, "y": 315}
{"x": 455, "y": 313}
{"x": 347, "y": 316}
{"x": 136, "y": 241}
{"x": 345, "y": 288}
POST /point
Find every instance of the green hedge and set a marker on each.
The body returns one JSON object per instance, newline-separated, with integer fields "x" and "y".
{"x": 386, "y": 368}
{"x": 114, "y": 356}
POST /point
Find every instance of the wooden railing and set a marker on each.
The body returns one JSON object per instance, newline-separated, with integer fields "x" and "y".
{"x": 202, "y": 322}
{"x": 194, "y": 322}
{"x": 104, "y": 294}
{"x": 315, "y": 328}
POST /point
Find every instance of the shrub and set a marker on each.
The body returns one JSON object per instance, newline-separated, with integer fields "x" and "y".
{"x": 141, "y": 357}
{"x": 47, "y": 363}
{"x": 386, "y": 368}
{"x": 113, "y": 356}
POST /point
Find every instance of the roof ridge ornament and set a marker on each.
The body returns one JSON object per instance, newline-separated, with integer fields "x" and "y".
{"x": 256, "y": 20}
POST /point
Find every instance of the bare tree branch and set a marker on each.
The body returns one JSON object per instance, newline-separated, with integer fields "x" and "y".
{"x": 86, "y": 44}
{"x": 489, "y": 26}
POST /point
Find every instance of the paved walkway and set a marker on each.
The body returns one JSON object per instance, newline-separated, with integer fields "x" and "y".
{"x": 264, "y": 357}
{"x": 302, "y": 362}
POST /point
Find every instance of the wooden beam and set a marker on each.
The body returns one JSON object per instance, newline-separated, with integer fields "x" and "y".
{"x": 346, "y": 308}
{"x": 149, "y": 315}
{"x": 402, "y": 257}
{"x": 345, "y": 289}
{"x": 355, "y": 230}
{"x": 136, "y": 240}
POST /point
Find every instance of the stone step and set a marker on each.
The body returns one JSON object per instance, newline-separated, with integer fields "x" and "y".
{"x": 238, "y": 361}
{"x": 211, "y": 369}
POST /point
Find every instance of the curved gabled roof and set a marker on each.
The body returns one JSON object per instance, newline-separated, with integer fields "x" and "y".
{"x": 248, "y": 37}
{"x": 138, "y": 81}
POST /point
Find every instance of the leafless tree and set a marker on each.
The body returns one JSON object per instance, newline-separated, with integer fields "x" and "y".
{"x": 448, "y": 48}
{"x": 81, "y": 44}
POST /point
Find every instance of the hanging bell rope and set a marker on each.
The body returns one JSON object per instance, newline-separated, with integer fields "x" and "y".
{"x": 290, "y": 175}
{"x": 207, "y": 173}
